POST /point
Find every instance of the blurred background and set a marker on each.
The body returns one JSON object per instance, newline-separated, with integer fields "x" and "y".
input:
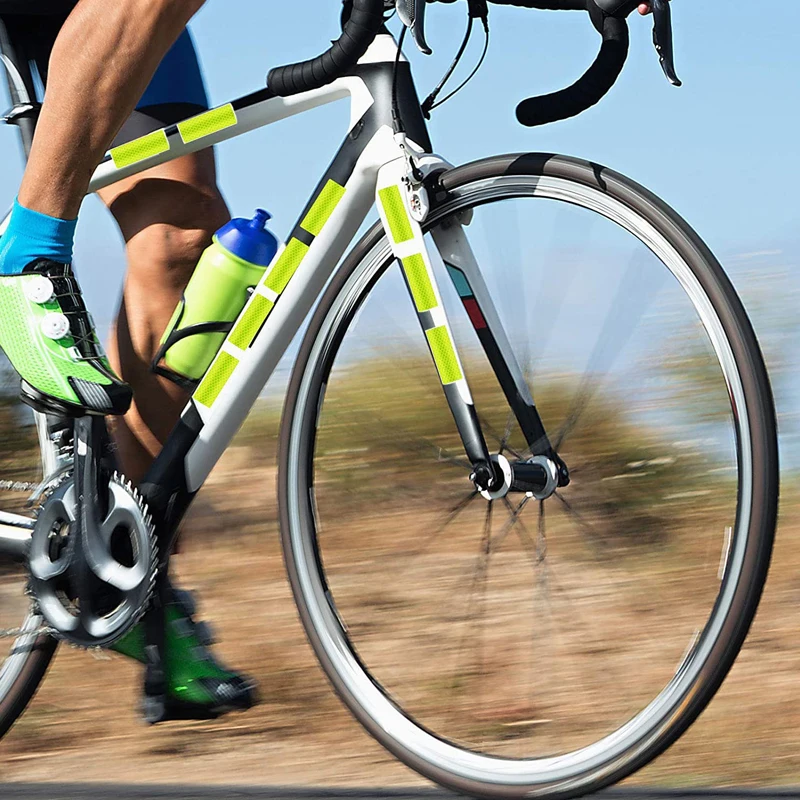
{"x": 722, "y": 152}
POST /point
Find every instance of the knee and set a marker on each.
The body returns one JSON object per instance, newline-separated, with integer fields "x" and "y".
{"x": 167, "y": 225}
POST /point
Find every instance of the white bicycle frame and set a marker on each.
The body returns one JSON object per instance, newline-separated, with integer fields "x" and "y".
{"x": 386, "y": 168}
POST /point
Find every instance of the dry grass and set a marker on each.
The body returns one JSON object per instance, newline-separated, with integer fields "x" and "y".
{"x": 564, "y": 653}
{"x": 83, "y": 723}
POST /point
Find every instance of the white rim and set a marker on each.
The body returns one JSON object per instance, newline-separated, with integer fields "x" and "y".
{"x": 606, "y": 757}
{"x": 23, "y": 647}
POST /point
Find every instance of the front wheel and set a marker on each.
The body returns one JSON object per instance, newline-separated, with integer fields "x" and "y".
{"x": 504, "y": 646}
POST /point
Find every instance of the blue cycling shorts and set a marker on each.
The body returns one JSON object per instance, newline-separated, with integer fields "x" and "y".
{"x": 178, "y": 79}
{"x": 176, "y": 92}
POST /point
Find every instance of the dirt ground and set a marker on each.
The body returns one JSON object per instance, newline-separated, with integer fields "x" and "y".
{"x": 83, "y": 724}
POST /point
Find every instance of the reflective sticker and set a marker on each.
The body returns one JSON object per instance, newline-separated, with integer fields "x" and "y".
{"x": 420, "y": 283}
{"x": 323, "y": 207}
{"x": 215, "y": 379}
{"x": 140, "y": 149}
{"x": 396, "y": 214}
{"x": 287, "y": 265}
{"x": 444, "y": 354}
{"x": 250, "y": 324}
{"x": 207, "y": 123}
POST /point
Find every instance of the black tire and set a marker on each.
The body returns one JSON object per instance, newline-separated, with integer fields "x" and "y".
{"x": 24, "y": 687}
{"x": 757, "y": 423}
{"x": 24, "y": 657}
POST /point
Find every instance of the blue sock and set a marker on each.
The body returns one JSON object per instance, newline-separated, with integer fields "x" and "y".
{"x": 31, "y": 235}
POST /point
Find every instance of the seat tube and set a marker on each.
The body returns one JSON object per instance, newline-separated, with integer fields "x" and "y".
{"x": 394, "y": 201}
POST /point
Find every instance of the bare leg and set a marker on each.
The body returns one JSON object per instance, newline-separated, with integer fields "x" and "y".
{"x": 101, "y": 64}
{"x": 167, "y": 216}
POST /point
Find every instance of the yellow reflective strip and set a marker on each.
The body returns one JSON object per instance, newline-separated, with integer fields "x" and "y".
{"x": 323, "y": 207}
{"x": 420, "y": 283}
{"x": 250, "y": 324}
{"x": 287, "y": 265}
{"x": 215, "y": 379}
{"x": 444, "y": 354}
{"x": 396, "y": 214}
{"x": 207, "y": 123}
{"x": 140, "y": 149}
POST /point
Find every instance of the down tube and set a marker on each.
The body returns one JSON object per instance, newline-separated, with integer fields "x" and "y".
{"x": 285, "y": 295}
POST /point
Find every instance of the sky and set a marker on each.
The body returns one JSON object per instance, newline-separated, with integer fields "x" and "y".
{"x": 722, "y": 150}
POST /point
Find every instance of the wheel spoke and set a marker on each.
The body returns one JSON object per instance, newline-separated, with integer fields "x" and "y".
{"x": 581, "y": 521}
{"x": 476, "y": 609}
{"x": 634, "y": 296}
{"x": 500, "y": 440}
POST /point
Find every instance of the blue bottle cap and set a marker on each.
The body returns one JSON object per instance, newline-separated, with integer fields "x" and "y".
{"x": 250, "y": 239}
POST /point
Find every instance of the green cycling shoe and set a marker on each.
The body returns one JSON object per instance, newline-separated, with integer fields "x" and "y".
{"x": 198, "y": 686}
{"x": 49, "y": 338}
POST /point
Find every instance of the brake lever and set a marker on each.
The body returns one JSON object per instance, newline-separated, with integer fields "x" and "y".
{"x": 663, "y": 39}
{"x": 412, "y": 15}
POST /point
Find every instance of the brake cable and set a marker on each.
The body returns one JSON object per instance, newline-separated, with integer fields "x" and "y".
{"x": 478, "y": 9}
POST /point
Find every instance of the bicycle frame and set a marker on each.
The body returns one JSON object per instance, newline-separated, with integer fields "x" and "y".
{"x": 373, "y": 165}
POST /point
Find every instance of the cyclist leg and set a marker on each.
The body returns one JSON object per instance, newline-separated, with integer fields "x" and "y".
{"x": 101, "y": 63}
{"x": 167, "y": 216}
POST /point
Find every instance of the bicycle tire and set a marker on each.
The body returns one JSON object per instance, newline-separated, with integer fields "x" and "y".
{"x": 318, "y": 614}
{"x": 31, "y": 653}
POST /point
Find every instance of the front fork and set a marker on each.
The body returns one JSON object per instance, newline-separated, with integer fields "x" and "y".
{"x": 402, "y": 203}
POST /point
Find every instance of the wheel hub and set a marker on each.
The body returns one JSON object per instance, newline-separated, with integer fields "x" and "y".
{"x": 536, "y": 477}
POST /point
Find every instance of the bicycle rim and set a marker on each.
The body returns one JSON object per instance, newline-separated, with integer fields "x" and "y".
{"x": 628, "y": 554}
{"x": 25, "y": 649}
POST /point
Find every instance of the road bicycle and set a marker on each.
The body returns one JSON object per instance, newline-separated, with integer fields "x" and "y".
{"x": 514, "y": 598}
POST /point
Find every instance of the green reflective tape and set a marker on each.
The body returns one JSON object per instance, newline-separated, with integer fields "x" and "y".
{"x": 396, "y": 214}
{"x": 420, "y": 282}
{"x": 323, "y": 207}
{"x": 444, "y": 354}
{"x": 250, "y": 324}
{"x": 215, "y": 379}
{"x": 138, "y": 150}
{"x": 287, "y": 265}
{"x": 207, "y": 123}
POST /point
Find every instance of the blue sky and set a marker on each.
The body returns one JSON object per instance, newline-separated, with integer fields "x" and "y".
{"x": 722, "y": 150}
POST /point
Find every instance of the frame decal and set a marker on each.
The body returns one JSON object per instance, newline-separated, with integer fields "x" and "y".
{"x": 216, "y": 378}
{"x": 207, "y": 123}
{"x": 281, "y": 273}
{"x": 396, "y": 215}
{"x": 444, "y": 354}
{"x": 250, "y": 322}
{"x": 420, "y": 283}
{"x": 153, "y": 144}
{"x": 323, "y": 207}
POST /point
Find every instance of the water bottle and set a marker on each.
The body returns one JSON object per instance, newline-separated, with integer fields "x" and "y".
{"x": 218, "y": 291}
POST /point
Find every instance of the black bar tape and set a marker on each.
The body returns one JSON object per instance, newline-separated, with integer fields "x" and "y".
{"x": 359, "y": 32}
{"x": 588, "y": 90}
{"x": 545, "y": 5}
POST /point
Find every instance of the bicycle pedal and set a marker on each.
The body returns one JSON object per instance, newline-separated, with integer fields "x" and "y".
{"x": 185, "y": 600}
{"x": 205, "y": 634}
{"x": 154, "y": 709}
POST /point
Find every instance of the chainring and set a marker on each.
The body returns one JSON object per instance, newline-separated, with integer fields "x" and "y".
{"x": 92, "y": 592}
